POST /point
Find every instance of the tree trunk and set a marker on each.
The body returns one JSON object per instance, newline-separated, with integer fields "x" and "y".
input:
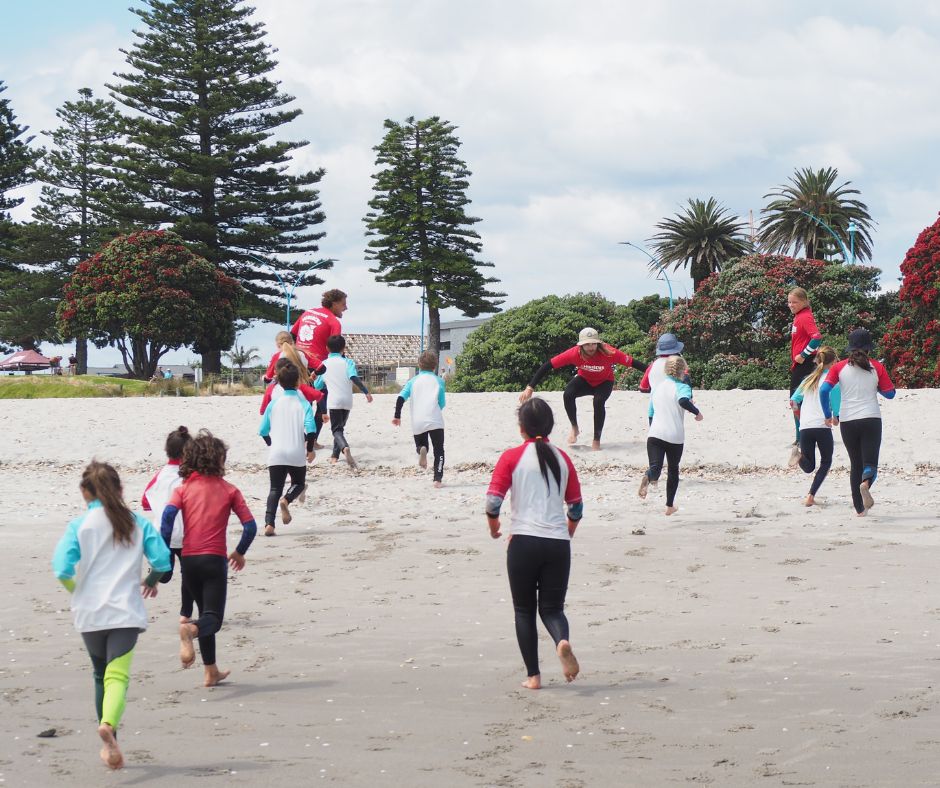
{"x": 212, "y": 362}
{"x": 434, "y": 330}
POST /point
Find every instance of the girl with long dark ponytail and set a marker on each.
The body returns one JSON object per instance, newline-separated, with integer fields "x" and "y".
{"x": 546, "y": 510}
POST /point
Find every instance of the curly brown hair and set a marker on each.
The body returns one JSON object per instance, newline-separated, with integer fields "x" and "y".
{"x": 205, "y": 454}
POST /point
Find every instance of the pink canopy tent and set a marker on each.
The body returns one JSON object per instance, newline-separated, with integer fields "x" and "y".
{"x": 25, "y": 361}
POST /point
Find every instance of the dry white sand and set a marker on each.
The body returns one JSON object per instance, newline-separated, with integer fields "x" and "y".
{"x": 744, "y": 641}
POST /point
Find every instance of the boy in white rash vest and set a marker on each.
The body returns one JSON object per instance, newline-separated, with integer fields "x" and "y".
{"x": 666, "y": 439}
{"x": 337, "y": 374}
{"x": 108, "y": 544}
{"x": 155, "y": 498}
{"x": 426, "y": 393}
{"x": 287, "y": 426}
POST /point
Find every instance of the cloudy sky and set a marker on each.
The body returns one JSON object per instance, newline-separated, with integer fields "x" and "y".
{"x": 583, "y": 124}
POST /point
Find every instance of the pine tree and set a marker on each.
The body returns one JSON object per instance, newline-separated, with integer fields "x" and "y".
{"x": 422, "y": 236}
{"x": 76, "y": 214}
{"x": 200, "y": 153}
{"x": 16, "y": 157}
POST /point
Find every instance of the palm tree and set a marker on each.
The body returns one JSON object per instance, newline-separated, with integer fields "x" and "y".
{"x": 784, "y": 227}
{"x": 241, "y": 357}
{"x": 702, "y": 238}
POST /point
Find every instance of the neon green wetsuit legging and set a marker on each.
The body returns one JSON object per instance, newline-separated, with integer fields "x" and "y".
{"x": 111, "y": 651}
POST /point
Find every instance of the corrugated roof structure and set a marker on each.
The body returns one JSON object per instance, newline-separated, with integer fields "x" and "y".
{"x": 384, "y": 350}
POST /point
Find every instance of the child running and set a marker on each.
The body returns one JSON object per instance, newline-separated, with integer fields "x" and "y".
{"x": 814, "y": 432}
{"x": 274, "y": 389}
{"x": 666, "y": 438}
{"x": 543, "y": 483}
{"x": 286, "y": 349}
{"x": 109, "y": 542}
{"x": 862, "y": 379}
{"x": 287, "y": 427}
{"x": 155, "y": 498}
{"x": 337, "y": 374}
{"x": 426, "y": 393}
{"x": 206, "y": 501}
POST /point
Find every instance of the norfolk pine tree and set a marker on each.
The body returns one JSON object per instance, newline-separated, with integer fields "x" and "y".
{"x": 76, "y": 214}
{"x": 16, "y": 157}
{"x": 200, "y": 154}
{"x": 421, "y": 235}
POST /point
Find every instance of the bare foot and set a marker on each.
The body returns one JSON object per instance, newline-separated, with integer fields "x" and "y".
{"x": 423, "y": 457}
{"x": 569, "y": 665}
{"x": 810, "y": 500}
{"x": 861, "y": 514}
{"x": 349, "y": 458}
{"x": 187, "y": 650}
{"x": 110, "y": 753}
{"x": 533, "y": 682}
{"x": 573, "y": 436}
{"x": 186, "y": 620}
{"x": 671, "y": 510}
{"x": 334, "y": 460}
{"x": 795, "y": 456}
{"x": 285, "y": 511}
{"x": 644, "y": 483}
{"x": 269, "y": 530}
{"x": 215, "y": 676}
{"x": 303, "y": 495}
{"x": 864, "y": 489}
{"x": 438, "y": 485}
{"x": 595, "y": 445}
{"x": 317, "y": 445}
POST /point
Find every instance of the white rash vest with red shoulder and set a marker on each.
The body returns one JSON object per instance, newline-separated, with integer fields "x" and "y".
{"x": 538, "y": 509}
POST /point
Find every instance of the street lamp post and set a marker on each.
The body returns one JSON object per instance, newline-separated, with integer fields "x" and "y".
{"x": 853, "y": 228}
{"x": 661, "y": 268}
{"x": 289, "y": 292}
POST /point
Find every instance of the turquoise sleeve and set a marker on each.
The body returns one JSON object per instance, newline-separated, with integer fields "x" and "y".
{"x": 405, "y": 392}
{"x": 318, "y": 384}
{"x": 441, "y": 395}
{"x": 68, "y": 551}
{"x": 797, "y": 395}
{"x": 310, "y": 424}
{"x": 265, "y": 428}
{"x": 835, "y": 400}
{"x": 683, "y": 391}
{"x": 158, "y": 554}
{"x": 351, "y": 368}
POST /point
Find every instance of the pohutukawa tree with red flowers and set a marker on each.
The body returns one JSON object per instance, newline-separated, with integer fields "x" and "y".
{"x": 911, "y": 344}
{"x": 147, "y": 293}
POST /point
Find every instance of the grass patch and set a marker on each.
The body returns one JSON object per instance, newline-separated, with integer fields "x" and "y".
{"x": 64, "y": 386}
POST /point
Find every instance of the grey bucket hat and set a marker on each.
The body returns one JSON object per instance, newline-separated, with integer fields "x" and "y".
{"x": 668, "y": 345}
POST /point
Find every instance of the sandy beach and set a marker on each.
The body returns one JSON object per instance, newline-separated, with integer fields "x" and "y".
{"x": 746, "y": 640}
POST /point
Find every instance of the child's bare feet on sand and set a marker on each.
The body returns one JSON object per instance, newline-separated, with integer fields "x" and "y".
{"x": 334, "y": 460}
{"x": 187, "y": 650}
{"x": 671, "y": 510}
{"x": 215, "y": 676}
{"x": 573, "y": 436}
{"x": 861, "y": 514}
{"x": 795, "y": 456}
{"x": 110, "y": 753}
{"x": 423, "y": 457}
{"x": 438, "y": 485}
{"x": 269, "y": 530}
{"x": 595, "y": 445}
{"x": 285, "y": 511}
{"x": 303, "y": 495}
{"x": 644, "y": 483}
{"x": 186, "y": 620}
{"x": 533, "y": 682}
{"x": 349, "y": 458}
{"x": 810, "y": 500}
{"x": 569, "y": 665}
{"x": 864, "y": 489}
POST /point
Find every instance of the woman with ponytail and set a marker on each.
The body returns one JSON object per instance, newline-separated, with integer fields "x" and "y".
{"x": 546, "y": 511}
{"x": 862, "y": 379}
{"x": 108, "y": 544}
{"x": 814, "y": 431}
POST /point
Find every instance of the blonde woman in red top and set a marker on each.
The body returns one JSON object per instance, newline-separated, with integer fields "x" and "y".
{"x": 594, "y": 362}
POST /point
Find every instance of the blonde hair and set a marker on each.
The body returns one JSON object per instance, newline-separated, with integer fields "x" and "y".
{"x": 285, "y": 341}
{"x": 102, "y": 483}
{"x": 675, "y": 366}
{"x": 800, "y": 293}
{"x": 825, "y": 357}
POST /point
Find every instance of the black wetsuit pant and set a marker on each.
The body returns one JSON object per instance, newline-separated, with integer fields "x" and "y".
{"x": 338, "y": 419}
{"x": 538, "y": 579}
{"x": 104, "y": 647}
{"x": 862, "y": 439}
{"x": 206, "y": 577}
{"x": 657, "y": 451}
{"x": 278, "y": 475}
{"x": 186, "y": 603}
{"x": 579, "y": 387}
{"x": 437, "y": 441}
{"x": 810, "y": 439}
